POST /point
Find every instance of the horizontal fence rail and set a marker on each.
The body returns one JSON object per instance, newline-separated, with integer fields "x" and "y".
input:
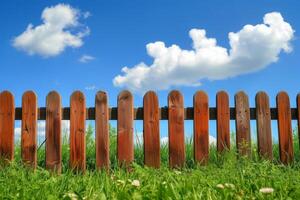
{"x": 151, "y": 114}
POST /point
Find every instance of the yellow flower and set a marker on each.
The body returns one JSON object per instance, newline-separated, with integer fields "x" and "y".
{"x": 266, "y": 190}
{"x": 220, "y": 186}
{"x": 136, "y": 183}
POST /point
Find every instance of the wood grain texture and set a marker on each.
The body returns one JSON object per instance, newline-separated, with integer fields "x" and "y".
{"x": 151, "y": 130}
{"x": 102, "y": 130}
{"x": 53, "y": 132}
{"x": 29, "y": 129}
{"x": 286, "y": 150}
{"x": 201, "y": 127}
{"x": 125, "y": 147}
{"x": 242, "y": 124}
{"x": 223, "y": 121}
{"x": 77, "y": 131}
{"x": 263, "y": 121}
{"x": 176, "y": 129}
{"x": 298, "y": 115}
{"x": 7, "y": 122}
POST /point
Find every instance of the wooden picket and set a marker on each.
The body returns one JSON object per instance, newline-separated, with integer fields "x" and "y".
{"x": 176, "y": 129}
{"x": 201, "y": 127}
{"x": 223, "y": 121}
{"x": 125, "y": 142}
{"x": 151, "y": 130}
{"x": 77, "y": 131}
{"x": 7, "y": 120}
{"x": 53, "y": 132}
{"x": 102, "y": 130}
{"x": 286, "y": 151}
{"x": 29, "y": 129}
{"x": 242, "y": 124}
{"x": 263, "y": 120}
{"x": 151, "y": 114}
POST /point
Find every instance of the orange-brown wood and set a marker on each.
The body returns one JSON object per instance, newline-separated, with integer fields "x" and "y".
{"x": 263, "y": 120}
{"x": 7, "y": 123}
{"x": 53, "y": 132}
{"x": 77, "y": 131}
{"x": 29, "y": 129}
{"x": 151, "y": 130}
{"x": 298, "y": 115}
{"x": 176, "y": 129}
{"x": 201, "y": 127}
{"x": 223, "y": 121}
{"x": 286, "y": 150}
{"x": 102, "y": 130}
{"x": 242, "y": 124}
{"x": 125, "y": 145}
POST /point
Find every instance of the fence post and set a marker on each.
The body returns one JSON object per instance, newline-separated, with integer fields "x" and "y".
{"x": 223, "y": 121}
{"x": 7, "y": 125}
{"x": 53, "y": 132}
{"x": 285, "y": 128}
{"x": 77, "y": 131}
{"x": 102, "y": 130}
{"x": 125, "y": 149}
{"x": 201, "y": 127}
{"x": 242, "y": 124}
{"x": 29, "y": 129}
{"x": 176, "y": 129}
{"x": 263, "y": 120}
{"x": 151, "y": 130}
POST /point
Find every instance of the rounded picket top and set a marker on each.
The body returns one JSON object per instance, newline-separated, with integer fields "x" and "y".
{"x": 201, "y": 95}
{"x": 261, "y": 95}
{"x": 7, "y": 95}
{"x": 53, "y": 96}
{"x": 241, "y": 94}
{"x": 101, "y": 97}
{"x": 222, "y": 94}
{"x": 175, "y": 96}
{"x": 150, "y": 95}
{"x": 282, "y": 96}
{"x": 29, "y": 94}
{"x": 125, "y": 94}
{"x": 78, "y": 95}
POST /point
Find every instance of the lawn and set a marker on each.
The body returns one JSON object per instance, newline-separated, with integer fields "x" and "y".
{"x": 226, "y": 177}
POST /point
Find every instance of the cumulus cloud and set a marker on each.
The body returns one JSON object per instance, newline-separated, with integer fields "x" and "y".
{"x": 60, "y": 29}
{"x": 252, "y": 48}
{"x": 86, "y": 58}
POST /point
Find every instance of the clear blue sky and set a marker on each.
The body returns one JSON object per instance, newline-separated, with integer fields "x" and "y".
{"x": 119, "y": 33}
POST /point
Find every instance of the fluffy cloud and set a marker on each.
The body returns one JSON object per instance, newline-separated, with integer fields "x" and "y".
{"x": 251, "y": 49}
{"x": 60, "y": 29}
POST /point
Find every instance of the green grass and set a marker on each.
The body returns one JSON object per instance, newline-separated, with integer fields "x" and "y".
{"x": 242, "y": 178}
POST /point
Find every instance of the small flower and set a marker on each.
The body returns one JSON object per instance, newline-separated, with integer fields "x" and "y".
{"x": 266, "y": 190}
{"x": 136, "y": 183}
{"x": 220, "y": 186}
{"x": 229, "y": 185}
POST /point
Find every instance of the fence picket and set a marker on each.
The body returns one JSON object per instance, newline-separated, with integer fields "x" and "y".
{"x": 285, "y": 128}
{"x": 242, "y": 124}
{"x": 201, "y": 127}
{"x": 102, "y": 130}
{"x": 176, "y": 129}
{"x": 29, "y": 129}
{"x": 298, "y": 115}
{"x": 53, "y": 132}
{"x": 223, "y": 121}
{"x": 125, "y": 146}
{"x": 263, "y": 120}
{"x": 151, "y": 130}
{"x": 77, "y": 131}
{"x": 7, "y": 121}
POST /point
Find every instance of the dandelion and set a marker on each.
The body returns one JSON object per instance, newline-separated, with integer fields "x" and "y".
{"x": 220, "y": 186}
{"x": 136, "y": 183}
{"x": 266, "y": 190}
{"x": 229, "y": 185}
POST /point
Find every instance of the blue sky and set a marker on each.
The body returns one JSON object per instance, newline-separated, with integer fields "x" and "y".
{"x": 118, "y": 34}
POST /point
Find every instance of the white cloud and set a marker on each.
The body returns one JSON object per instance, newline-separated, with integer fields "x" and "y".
{"x": 90, "y": 87}
{"x": 60, "y": 29}
{"x": 86, "y": 58}
{"x": 251, "y": 49}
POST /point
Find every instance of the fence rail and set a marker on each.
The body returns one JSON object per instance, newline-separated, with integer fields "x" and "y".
{"x": 151, "y": 114}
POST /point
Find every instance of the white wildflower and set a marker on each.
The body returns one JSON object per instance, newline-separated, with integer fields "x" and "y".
{"x": 220, "y": 186}
{"x": 136, "y": 183}
{"x": 266, "y": 190}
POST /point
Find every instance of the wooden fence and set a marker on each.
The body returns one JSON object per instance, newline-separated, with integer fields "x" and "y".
{"x": 151, "y": 114}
